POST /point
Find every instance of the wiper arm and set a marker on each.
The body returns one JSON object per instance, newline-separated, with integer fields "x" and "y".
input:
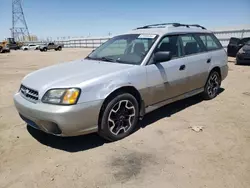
{"x": 106, "y": 59}
{"x": 102, "y": 59}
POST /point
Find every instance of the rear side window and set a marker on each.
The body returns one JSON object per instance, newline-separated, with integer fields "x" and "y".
{"x": 210, "y": 41}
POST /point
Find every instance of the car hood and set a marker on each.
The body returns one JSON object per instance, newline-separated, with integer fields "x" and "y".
{"x": 71, "y": 74}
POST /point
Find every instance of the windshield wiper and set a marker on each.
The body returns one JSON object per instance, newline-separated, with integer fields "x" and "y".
{"x": 102, "y": 59}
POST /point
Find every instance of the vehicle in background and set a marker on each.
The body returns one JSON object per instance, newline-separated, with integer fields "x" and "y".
{"x": 30, "y": 47}
{"x": 235, "y": 44}
{"x": 127, "y": 77}
{"x": 4, "y": 48}
{"x": 243, "y": 55}
{"x": 50, "y": 46}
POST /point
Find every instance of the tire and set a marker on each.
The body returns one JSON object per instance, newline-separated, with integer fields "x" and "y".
{"x": 237, "y": 62}
{"x": 45, "y": 49}
{"x": 59, "y": 48}
{"x": 119, "y": 118}
{"x": 25, "y": 49}
{"x": 212, "y": 86}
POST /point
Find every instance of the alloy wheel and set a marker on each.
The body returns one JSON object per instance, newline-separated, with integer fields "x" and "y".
{"x": 121, "y": 117}
{"x": 213, "y": 85}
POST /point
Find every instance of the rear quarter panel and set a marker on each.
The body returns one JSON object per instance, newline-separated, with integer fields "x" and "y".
{"x": 219, "y": 59}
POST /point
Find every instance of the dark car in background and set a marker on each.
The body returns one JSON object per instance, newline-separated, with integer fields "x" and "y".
{"x": 243, "y": 55}
{"x": 235, "y": 45}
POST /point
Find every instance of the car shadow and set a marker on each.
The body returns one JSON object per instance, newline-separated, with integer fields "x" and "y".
{"x": 86, "y": 142}
{"x": 170, "y": 109}
{"x": 69, "y": 144}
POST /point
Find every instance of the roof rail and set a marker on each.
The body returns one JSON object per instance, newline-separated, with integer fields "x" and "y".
{"x": 162, "y": 25}
{"x": 188, "y": 25}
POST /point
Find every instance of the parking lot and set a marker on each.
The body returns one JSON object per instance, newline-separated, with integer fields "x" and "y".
{"x": 163, "y": 152}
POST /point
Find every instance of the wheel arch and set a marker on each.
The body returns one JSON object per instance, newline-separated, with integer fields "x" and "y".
{"x": 124, "y": 89}
{"x": 217, "y": 69}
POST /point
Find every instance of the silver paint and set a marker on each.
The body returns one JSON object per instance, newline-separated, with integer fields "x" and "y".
{"x": 158, "y": 85}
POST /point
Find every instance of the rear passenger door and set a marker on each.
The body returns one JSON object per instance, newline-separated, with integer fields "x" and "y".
{"x": 197, "y": 61}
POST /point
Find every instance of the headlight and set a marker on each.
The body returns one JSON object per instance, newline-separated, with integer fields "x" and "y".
{"x": 241, "y": 51}
{"x": 61, "y": 96}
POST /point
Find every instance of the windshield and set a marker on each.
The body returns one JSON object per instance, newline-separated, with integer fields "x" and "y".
{"x": 129, "y": 49}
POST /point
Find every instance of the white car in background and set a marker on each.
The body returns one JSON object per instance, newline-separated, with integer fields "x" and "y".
{"x": 30, "y": 47}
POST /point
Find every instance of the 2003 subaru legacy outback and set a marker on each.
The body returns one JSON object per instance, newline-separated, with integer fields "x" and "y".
{"x": 125, "y": 78}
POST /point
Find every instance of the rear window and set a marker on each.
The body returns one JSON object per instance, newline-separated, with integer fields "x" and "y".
{"x": 210, "y": 41}
{"x": 244, "y": 40}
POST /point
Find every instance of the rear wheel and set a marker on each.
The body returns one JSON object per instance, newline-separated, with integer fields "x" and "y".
{"x": 119, "y": 118}
{"x": 45, "y": 49}
{"x": 59, "y": 48}
{"x": 212, "y": 86}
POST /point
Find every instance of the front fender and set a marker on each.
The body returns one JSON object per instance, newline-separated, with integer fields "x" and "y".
{"x": 100, "y": 91}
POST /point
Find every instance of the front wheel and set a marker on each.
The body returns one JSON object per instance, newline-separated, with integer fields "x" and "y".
{"x": 119, "y": 118}
{"x": 212, "y": 86}
{"x": 45, "y": 49}
{"x": 59, "y": 48}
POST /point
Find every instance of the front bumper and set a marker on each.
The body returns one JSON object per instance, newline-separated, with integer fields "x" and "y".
{"x": 60, "y": 120}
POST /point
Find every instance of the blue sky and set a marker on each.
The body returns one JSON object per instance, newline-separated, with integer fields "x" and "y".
{"x": 75, "y": 18}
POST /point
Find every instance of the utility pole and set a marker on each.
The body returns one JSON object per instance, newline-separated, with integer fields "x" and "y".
{"x": 19, "y": 30}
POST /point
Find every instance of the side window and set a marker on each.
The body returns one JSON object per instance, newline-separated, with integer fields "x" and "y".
{"x": 244, "y": 40}
{"x": 210, "y": 42}
{"x": 191, "y": 45}
{"x": 171, "y": 44}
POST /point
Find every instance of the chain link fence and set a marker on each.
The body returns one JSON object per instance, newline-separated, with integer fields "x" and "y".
{"x": 223, "y": 36}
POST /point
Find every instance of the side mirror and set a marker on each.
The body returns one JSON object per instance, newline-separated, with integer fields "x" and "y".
{"x": 162, "y": 57}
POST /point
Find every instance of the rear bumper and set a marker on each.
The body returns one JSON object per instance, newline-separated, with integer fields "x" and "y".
{"x": 59, "y": 120}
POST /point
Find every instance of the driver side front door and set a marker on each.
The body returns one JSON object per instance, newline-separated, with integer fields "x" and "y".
{"x": 167, "y": 80}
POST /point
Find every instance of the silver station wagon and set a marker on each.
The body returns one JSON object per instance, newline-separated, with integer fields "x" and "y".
{"x": 122, "y": 80}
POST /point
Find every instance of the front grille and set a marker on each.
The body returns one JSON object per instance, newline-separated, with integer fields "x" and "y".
{"x": 28, "y": 93}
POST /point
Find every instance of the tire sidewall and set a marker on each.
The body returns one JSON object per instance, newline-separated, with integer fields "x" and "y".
{"x": 104, "y": 130}
{"x": 206, "y": 95}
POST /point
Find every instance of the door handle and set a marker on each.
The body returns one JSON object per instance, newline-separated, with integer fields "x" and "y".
{"x": 182, "y": 67}
{"x": 209, "y": 60}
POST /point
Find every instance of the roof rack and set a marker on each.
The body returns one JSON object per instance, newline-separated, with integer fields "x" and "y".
{"x": 163, "y": 25}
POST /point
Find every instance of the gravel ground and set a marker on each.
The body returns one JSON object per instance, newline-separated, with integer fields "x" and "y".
{"x": 164, "y": 152}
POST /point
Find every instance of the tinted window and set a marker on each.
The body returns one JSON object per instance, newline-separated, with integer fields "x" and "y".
{"x": 234, "y": 40}
{"x": 190, "y": 45}
{"x": 210, "y": 42}
{"x": 171, "y": 44}
{"x": 244, "y": 40}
